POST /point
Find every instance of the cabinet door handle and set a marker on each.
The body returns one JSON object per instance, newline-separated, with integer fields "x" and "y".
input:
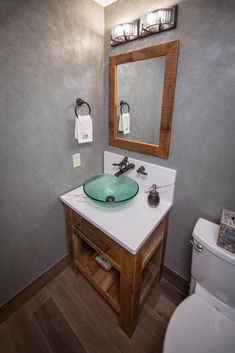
{"x": 77, "y": 226}
{"x": 93, "y": 239}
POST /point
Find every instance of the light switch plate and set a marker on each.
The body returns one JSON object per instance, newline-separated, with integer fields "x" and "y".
{"x": 76, "y": 160}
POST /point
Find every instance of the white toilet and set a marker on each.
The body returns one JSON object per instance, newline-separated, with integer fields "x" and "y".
{"x": 205, "y": 321}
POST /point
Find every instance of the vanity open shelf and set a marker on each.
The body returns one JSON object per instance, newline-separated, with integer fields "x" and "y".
{"x": 151, "y": 272}
{"x": 106, "y": 282}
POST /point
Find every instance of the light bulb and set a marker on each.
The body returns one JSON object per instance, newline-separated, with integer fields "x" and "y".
{"x": 151, "y": 19}
{"x": 118, "y": 30}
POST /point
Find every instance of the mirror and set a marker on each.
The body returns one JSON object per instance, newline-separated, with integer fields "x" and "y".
{"x": 144, "y": 80}
{"x": 140, "y": 85}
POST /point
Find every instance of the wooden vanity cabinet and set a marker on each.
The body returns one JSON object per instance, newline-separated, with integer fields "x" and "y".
{"x": 126, "y": 286}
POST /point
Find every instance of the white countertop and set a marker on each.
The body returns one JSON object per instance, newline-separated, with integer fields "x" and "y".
{"x": 129, "y": 224}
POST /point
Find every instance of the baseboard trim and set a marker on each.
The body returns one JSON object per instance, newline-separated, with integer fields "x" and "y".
{"x": 35, "y": 286}
{"x": 175, "y": 279}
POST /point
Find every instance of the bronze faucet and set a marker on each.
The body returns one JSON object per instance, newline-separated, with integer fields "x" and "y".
{"x": 124, "y": 166}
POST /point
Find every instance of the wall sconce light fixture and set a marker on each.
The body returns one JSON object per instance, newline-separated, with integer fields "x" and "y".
{"x": 124, "y": 32}
{"x": 153, "y": 22}
{"x": 158, "y": 21}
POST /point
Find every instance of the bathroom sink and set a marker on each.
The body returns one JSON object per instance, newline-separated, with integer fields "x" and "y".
{"x": 108, "y": 188}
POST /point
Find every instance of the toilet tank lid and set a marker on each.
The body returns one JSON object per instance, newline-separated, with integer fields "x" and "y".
{"x": 206, "y": 233}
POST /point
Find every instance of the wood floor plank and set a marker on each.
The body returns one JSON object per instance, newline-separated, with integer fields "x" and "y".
{"x": 78, "y": 286}
{"x": 172, "y": 292}
{"x": 82, "y": 320}
{"x": 70, "y": 314}
{"x": 156, "y": 325}
{"x": 146, "y": 342}
{"x": 7, "y": 344}
{"x": 166, "y": 289}
{"x": 164, "y": 308}
{"x": 32, "y": 288}
{"x": 26, "y": 332}
{"x": 39, "y": 299}
{"x": 149, "y": 332}
{"x": 58, "y": 333}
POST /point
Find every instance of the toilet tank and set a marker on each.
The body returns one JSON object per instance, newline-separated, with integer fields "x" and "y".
{"x": 212, "y": 266}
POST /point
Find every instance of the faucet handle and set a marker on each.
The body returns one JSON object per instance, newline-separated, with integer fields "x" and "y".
{"x": 141, "y": 170}
{"x": 123, "y": 162}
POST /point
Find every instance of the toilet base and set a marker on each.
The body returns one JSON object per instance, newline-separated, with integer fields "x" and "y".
{"x": 198, "y": 325}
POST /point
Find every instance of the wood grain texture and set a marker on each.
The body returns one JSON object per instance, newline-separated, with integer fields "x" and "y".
{"x": 130, "y": 284}
{"x": 164, "y": 242}
{"x": 127, "y": 285}
{"x": 81, "y": 319}
{"x": 99, "y": 241}
{"x": 152, "y": 243}
{"x": 164, "y": 308}
{"x": 68, "y": 315}
{"x": 7, "y": 343}
{"x": 69, "y": 222}
{"x": 150, "y": 330}
{"x": 39, "y": 299}
{"x": 55, "y": 328}
{"x": 105, "y": 282}
{"x": 16, "y": 302}
{"x": 170, "y": 50}
{"x": 26, "y": 333}
{"x": 168, "y": 291}
{"x": 176, "y": 280}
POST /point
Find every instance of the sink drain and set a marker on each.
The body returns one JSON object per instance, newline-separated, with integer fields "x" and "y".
{"x": 110, "y": 198}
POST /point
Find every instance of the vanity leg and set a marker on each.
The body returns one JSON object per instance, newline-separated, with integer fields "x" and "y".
{"x": 130, "y": 278}
{"x": 68, "y": 214}
{"x": 164, "y": 244}
{"x": 77, "y": 250}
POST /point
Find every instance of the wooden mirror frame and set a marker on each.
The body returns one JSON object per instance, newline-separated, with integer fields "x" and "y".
{"x": 170, "y": 51}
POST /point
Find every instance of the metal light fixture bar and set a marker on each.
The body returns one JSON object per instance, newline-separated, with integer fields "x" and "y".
{"x": 153, "y": 22}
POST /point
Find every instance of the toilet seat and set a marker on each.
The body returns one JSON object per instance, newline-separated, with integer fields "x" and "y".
{"x": 197, "y": 327}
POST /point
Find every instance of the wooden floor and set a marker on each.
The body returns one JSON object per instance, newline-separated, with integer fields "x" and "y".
{"x": 69, "y": 316}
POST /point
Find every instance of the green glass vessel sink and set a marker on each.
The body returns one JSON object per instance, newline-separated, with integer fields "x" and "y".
{"x": 110, "y": 189}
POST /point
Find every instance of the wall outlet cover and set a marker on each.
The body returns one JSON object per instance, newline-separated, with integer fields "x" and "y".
{"x": 76, "y": 160}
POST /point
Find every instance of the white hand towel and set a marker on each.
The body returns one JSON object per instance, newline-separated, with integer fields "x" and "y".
{"x": 120, "y": 124}
{"x": 76, "y": 128}
{"x": 83, "y": 129}
{"x": 126, "y": 123}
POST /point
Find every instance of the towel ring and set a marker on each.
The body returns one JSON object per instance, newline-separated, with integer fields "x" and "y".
{"x": 122, "y": 103}
{"x": 79, "y": 103}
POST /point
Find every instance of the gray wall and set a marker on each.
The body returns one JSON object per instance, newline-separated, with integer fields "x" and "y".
{"x": 202, "y": 144}
{"x": 51, "y": 53}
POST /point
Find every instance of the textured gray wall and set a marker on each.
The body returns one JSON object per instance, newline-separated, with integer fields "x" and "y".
{"x": 51, "y": 53}
{"x": 202, "y": 144}
{"x": 140, "y": 83}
